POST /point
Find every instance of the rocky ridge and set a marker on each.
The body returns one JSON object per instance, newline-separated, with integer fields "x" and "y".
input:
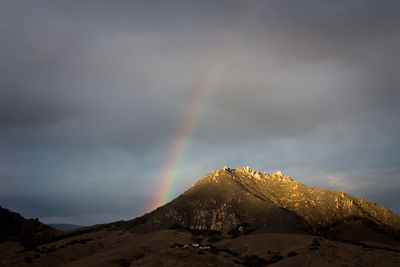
{"x": 228, "y": 198}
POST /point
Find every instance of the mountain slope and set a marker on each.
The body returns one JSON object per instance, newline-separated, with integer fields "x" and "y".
{"x": 229, "y": 198}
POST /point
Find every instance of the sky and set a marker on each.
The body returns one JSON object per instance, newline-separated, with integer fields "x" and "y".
{"x": 94, "y": 96}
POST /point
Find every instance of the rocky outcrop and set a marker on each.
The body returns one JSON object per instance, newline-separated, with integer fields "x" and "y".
{"x": 213, "y": 217}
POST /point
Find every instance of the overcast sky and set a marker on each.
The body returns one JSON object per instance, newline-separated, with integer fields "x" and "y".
{"x": 93, "y": 93}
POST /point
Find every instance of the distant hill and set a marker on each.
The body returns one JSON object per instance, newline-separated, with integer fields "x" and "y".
{"x": 28, "y": 232}
{"x": 65, "y": 226}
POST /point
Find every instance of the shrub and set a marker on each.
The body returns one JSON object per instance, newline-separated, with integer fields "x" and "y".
{"x": 254, "y": 260}
{"x": 292, "y": 253}
{"x": 275, "y": 258}
{"x": 122, "y": 262}
{"x": 214, "y": 239}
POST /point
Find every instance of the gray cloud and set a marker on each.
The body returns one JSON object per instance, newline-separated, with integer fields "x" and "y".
{"x": 96, "y": 92}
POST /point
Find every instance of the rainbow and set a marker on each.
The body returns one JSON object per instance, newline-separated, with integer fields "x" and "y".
{"x": 205, "y": 90}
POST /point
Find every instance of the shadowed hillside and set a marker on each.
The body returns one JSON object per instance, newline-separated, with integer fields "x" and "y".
{"x": 28, "y": 232}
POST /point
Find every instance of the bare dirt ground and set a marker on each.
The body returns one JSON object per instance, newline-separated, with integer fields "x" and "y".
{"x": 181, "y": 248}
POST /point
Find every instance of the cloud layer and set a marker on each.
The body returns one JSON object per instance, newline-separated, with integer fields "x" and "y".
{"x": 93, "y": 94}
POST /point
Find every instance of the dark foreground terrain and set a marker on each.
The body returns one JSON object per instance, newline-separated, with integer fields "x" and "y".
{"x": 231, "y": 217}
{"x": 110, "y": 247}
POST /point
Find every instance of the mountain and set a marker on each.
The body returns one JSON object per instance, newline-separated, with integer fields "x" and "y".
{"x": 64, "y": 226}
{"x": 28, "y": 232}
{"x": 228, "y": 198}
{"x": 231, "y": 217}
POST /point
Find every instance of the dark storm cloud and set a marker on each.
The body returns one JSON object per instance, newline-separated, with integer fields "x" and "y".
{"x": 95, "y": 91}
{"x": 79, "y": 65}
